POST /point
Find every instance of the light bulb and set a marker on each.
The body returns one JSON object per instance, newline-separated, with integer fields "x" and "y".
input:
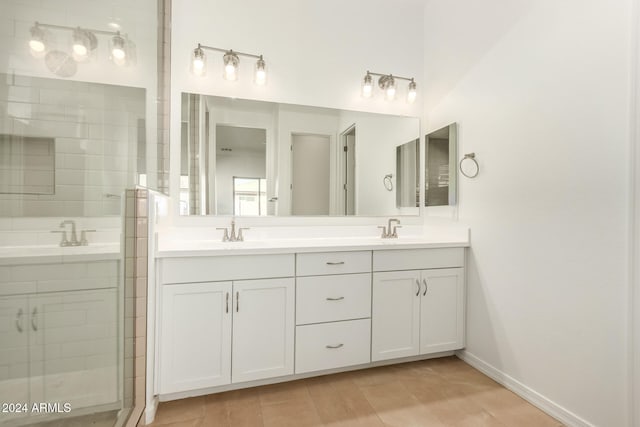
{"x": 412, "y": 94}
{"x": 230, "y": 65}
{"x": 367, "y": 86}
{"x": 36, "y": 42}
{"x": 199, "y": 62}
{"x": 118, "y": 52}
{"x": 390, "y": 90}
{"x": 80, "y": 46}
{"x": 261, "y": 72}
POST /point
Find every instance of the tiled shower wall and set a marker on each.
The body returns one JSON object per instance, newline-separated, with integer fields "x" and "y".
{"x": 97, "y": 133}
{"x": 136, "y": 259}
{"x": 164, "y": 93}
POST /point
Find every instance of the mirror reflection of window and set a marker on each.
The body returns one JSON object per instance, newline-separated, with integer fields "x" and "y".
{"x": 249, "y": 196}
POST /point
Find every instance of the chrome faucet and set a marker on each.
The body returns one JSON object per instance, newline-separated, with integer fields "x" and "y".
{"x": 74, "y": 236}
{"x": 232, "y": 236}
{"x": 390, "y": 232}
{"x": 64, "y": 242}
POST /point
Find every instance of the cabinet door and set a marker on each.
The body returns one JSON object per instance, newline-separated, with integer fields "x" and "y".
{"x": 14, "y": 352}
{"x": 263, "y": 328}
{"x": 442, "y": 310}
{"x": 395, "y": 317}
{"x": 74, "y": 347}
{"x": 195, "y": 345}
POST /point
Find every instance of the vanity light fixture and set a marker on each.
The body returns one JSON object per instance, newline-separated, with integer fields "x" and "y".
{"x": 84, "y": 42}
{"x": 231, "y": 59}
{"x": 387, "y": 82}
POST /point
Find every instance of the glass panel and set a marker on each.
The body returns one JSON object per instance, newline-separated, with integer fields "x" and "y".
{"x": 78, "y": 125}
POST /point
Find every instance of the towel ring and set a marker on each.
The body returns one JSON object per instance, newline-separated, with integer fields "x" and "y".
{"x": 475, "y": 169}
{"x": 387, "y": 182}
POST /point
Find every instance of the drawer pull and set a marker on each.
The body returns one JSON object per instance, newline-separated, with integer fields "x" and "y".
{"x": 335, "y": 299}
{"x": 335, "y": 263}
{"x": 426, "y": 288}
{"x": 335, "y": 346}
{"x": 419, "y": 286}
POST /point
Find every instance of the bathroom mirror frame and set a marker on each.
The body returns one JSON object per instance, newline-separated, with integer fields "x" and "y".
{"x": 176, "y": 147}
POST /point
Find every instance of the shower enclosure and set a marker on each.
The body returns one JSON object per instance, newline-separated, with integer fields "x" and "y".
{"x": 78, "y": 91}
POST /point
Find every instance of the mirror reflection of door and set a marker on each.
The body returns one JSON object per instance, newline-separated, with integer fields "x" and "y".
{"x": 349, "y": 161}
{"x": 310, "y": 174}
{"x": 240, "y": 170}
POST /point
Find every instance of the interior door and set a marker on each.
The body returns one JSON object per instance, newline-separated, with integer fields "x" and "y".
{"x": 310, "y": 183}
{"x": 74, "y": 347}
{"x": 395, "y": 318}
{"x": 263, "y": 328}
{"x": 14, "y": 353}
{"x": 195, "y": 350}
{"x": 442, "y": 310}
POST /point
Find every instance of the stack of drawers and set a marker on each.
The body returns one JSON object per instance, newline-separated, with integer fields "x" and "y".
{"x": 333, "y": 310}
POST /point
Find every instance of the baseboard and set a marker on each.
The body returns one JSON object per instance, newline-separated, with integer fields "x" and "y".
{"x": 547, "y": 405}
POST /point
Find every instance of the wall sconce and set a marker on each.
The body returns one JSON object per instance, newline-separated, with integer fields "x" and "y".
{"x": 231, "y": 59}
{"x": 84, "y": 42}
{"x": 387, "y": 82}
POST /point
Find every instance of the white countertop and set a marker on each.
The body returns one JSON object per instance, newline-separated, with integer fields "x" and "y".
{"x": 190, "y": 248}
{"x": 43, "y": 254}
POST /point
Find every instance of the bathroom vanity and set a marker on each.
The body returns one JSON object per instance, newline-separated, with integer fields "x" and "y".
{"x": 59, "y": 328}
{"x": 243, "y": 314}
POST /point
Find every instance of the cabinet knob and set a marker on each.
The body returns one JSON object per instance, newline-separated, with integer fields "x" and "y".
{"x": 418, "y": 284}
{"x": 425, "y": 287}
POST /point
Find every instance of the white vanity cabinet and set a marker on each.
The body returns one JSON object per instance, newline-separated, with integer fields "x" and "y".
{"x": 196, "y": 336}
{"x": 333, "y": 310}
{"x": 217, "y": 332}
{"x": 234, "y": 321}
{"x": 59, "y": 336}
{"x": 418, "y": 302}
{"x": 263, "y": 328}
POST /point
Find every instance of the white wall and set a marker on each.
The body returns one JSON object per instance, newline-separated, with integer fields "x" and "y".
{"x": 317, "y": 52}
{"x": 540, "y": 90}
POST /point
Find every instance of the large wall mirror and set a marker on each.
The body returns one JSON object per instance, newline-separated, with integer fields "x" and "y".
{"x": 441, "y": 167}
{"x": 255, "y": 158}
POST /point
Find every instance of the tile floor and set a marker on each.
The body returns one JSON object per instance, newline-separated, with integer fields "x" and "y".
{"x": 434, "y": 393}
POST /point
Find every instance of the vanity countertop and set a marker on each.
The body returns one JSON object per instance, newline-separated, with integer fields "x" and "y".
{"x": 50, "y": 254}
{"x": 190, "y": 248}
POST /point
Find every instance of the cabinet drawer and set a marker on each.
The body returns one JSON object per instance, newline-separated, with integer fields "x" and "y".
{"x": 417, "y": 259}
{"x": 333, "y": 263}
{"x": 332, "y": 298}
{"x": 217, "y": 268}
{"x": 333, "y": 345}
